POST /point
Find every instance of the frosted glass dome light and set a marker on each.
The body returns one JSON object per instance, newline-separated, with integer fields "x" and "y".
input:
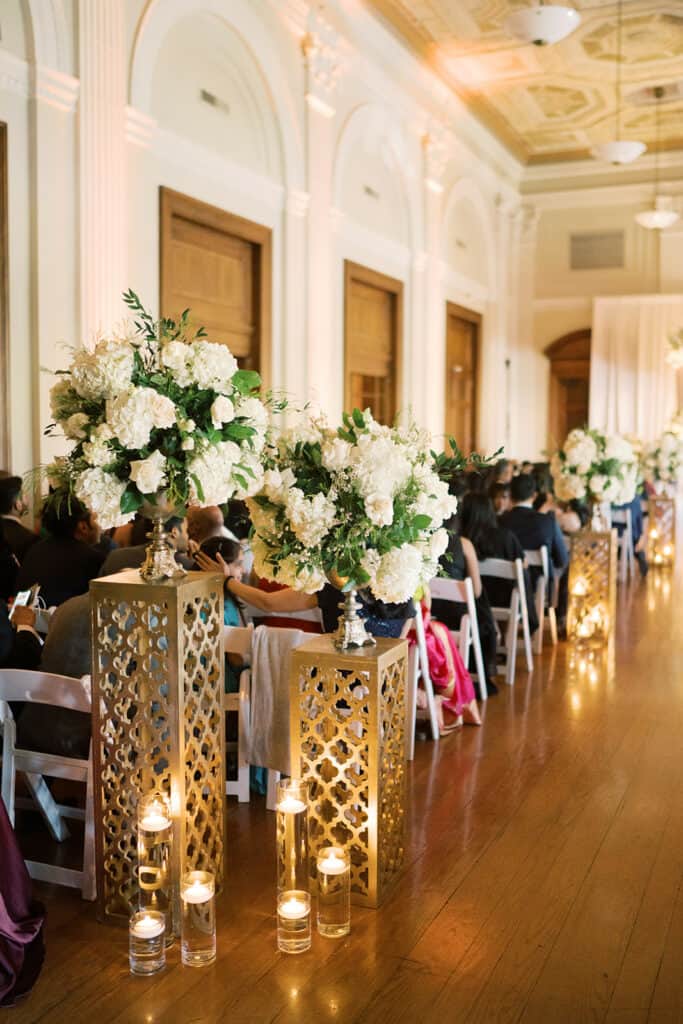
{"x": 543, "y": 24}
{"x": 619, "y": 151}
{"x": 659, "y": 217}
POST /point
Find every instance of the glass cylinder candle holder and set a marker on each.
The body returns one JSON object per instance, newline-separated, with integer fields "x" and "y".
{"x": 155, "y": 837}
{"x": 334, "y": 892}
{"x": 146, "y": 945}
{"x": 198, "y": 932}
{"x": 292, "y": 835}
{"x": 294, "y": 921}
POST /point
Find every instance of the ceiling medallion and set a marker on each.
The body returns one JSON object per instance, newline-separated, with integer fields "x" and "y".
{"x": 543, "y": 24}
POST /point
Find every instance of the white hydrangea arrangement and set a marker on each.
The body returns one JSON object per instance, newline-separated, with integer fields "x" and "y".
{"x": 595, "y": 467}
{"x": 662, "y": 460}
{"x": 158, "y": 411}
{"x": 363, "y": 502}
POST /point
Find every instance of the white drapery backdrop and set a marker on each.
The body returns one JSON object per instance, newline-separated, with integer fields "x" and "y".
{"x": 633, "y": 390}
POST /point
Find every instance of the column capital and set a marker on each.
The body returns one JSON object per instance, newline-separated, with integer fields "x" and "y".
{"x": 435, "y": 155}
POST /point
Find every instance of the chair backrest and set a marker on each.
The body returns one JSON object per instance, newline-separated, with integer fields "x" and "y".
{"x": 539, "y": 559}
{"x": 449, "y": 590}
{"x": 238, "y": 639}
{"x": 45, "y": 688}
{"x": 307, "y": 615}
{"x": 499, "y": 568}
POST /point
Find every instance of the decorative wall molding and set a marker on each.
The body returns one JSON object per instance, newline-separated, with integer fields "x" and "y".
{"x": 320, "y": 48}
{"x": 459, "y": 287}
{"x": 140, "y": 128}
{"x": 57, "y": 89}
{"x": 51, "y": 37}
{"x": 435, "y": 149}
{"x": 563, "y": 302}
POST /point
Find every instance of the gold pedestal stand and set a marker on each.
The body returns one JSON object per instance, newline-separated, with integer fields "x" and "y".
{"x": 661, "y": 541}
{"x": 348, "y": 743}
{"x": 592, "y": 586}
{"x": 157, "y": 654}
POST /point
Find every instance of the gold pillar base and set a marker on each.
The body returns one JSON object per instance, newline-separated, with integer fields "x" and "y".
{"x": 348, "y": 743}
{"x": 593, "y": 571}
{"x": 158, "y": 724}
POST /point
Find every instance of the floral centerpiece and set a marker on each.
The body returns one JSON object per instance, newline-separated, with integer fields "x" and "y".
{"x": 596, "y": 468}
{"x": 661, "y": 462}
{"x": 360, "y": 505}
{"x": 160, "y": 419}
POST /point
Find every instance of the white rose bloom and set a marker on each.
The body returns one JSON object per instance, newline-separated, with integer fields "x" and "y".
{"x": 612, "y": 490}
{"x": 370, "y": 562}
{"x": 569, "y": 487}
{"x": 617, "y": 447}
{"x": 176, "y": 356}
{"x": 97, "y": 452}
{"x": 187, "y": 444}
{"x": 438, "y": 543}
{"x": 213, "y": 468}
{"x": 597, "y": 485}
{"x": 379, "y": 466}
{"x": 277, "y": 484}
{"x": 254, "y": 410}
{"x": 104, "y": 372}
{"x": 222, "y": 411}
{"x": 101, "y": 492}
{"x": 149, "y": 475}
{"x": 249, "y": 461}
{"x": 398, "y": 574}
{"x": 134, "y": 414}
{"x": 212, "y": 366}
{"x": 310, "y": 580}
{"x": 310, "y": 518}
{"x": 74, "y": 426}
{"x": 379, "y": 509}
{"x": 335, "y": 454}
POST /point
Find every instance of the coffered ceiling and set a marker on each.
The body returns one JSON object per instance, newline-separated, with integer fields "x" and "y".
{"x": 554, "y": 102}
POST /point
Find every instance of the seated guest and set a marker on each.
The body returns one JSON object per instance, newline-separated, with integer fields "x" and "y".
{"x": 526, "y": 468}
{"x": 65, "y": 563}
{"x": 534, "y": 529}
{"x": 231, "y": 554}
{"x": 20, "y": 645}
{"x": 9, "y": 568}
{"x": 66, "y": 651}
{"x": 285, "y": 600}
{"x": 236, "y": 519}
{"x": 503, "y": 471}
{"x": 133, "y": 557}
{"x": 491, "y": 539}
{"x": 500, "y": 496}
{"x": 204, "y": 523}
{"x": 12, "y": 508}
{"x": 636, "y": 531}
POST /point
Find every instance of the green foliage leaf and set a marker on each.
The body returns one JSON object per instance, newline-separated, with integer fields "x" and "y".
{"x": 246, "y": 381}
{"x": 131, "y": 499}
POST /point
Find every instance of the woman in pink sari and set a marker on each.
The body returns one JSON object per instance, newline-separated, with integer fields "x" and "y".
{"x": 456, "y": 702}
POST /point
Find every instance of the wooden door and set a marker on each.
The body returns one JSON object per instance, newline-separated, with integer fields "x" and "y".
{"x": 219, "y": 266}
{"x": 372, "y": 329}
{"x": 462, "y": 344}
{"x": 4, "y": 307}
{"x": 569, "y": 384}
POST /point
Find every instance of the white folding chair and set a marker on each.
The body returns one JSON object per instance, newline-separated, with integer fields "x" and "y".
{"x": 467, "y": 635}
{"x": 625, "y": 555}
{"x": 418, "y": 668}
{"x": 544, "y": 598}
{"x": 237, "y": 640}
{"x": 515, "y": 614}
{"x": 63, "y": 692}
{"x": 306, "y": 615}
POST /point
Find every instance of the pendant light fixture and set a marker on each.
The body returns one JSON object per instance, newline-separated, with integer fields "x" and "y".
{"x": 543, "y": 24}
{"x": 619, "y": 151}
{"x": 660, "y": 215}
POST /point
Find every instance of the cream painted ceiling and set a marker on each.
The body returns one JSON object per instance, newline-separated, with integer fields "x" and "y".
{"x": 553, "y": 102}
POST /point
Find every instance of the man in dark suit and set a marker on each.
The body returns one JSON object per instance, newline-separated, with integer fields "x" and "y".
{"x": 133, "y": 557}
{"x": 534, "y": 529}
{"x": 65, "y": 563}
{"x": 12, "y": 508}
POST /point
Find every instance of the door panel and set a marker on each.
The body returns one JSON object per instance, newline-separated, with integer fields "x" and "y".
{"x": 462, "y": 336}
{"x": 569, "y": 384}
{"x": 218, "y": 266}
{"x": 372, "y": 330}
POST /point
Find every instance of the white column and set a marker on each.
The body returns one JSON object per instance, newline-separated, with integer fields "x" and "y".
{"x": 102, "y": 163}
{"x": 53, "y": 243}
{"x": 529, "y": 424}
{"x": 433, "y": 350}
{"x": 295, "y": 369}
{"x": 324, "y": 387}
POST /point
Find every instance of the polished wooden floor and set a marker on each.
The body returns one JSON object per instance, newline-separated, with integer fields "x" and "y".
{"x": 543, "y": 879}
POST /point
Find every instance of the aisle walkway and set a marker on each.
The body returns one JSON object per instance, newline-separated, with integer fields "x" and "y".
{"x": 543, "y": 878}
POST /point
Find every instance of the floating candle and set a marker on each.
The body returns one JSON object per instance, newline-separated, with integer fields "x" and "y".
{"x": 147, "y": 927}
{"x": 293, "y": 908}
